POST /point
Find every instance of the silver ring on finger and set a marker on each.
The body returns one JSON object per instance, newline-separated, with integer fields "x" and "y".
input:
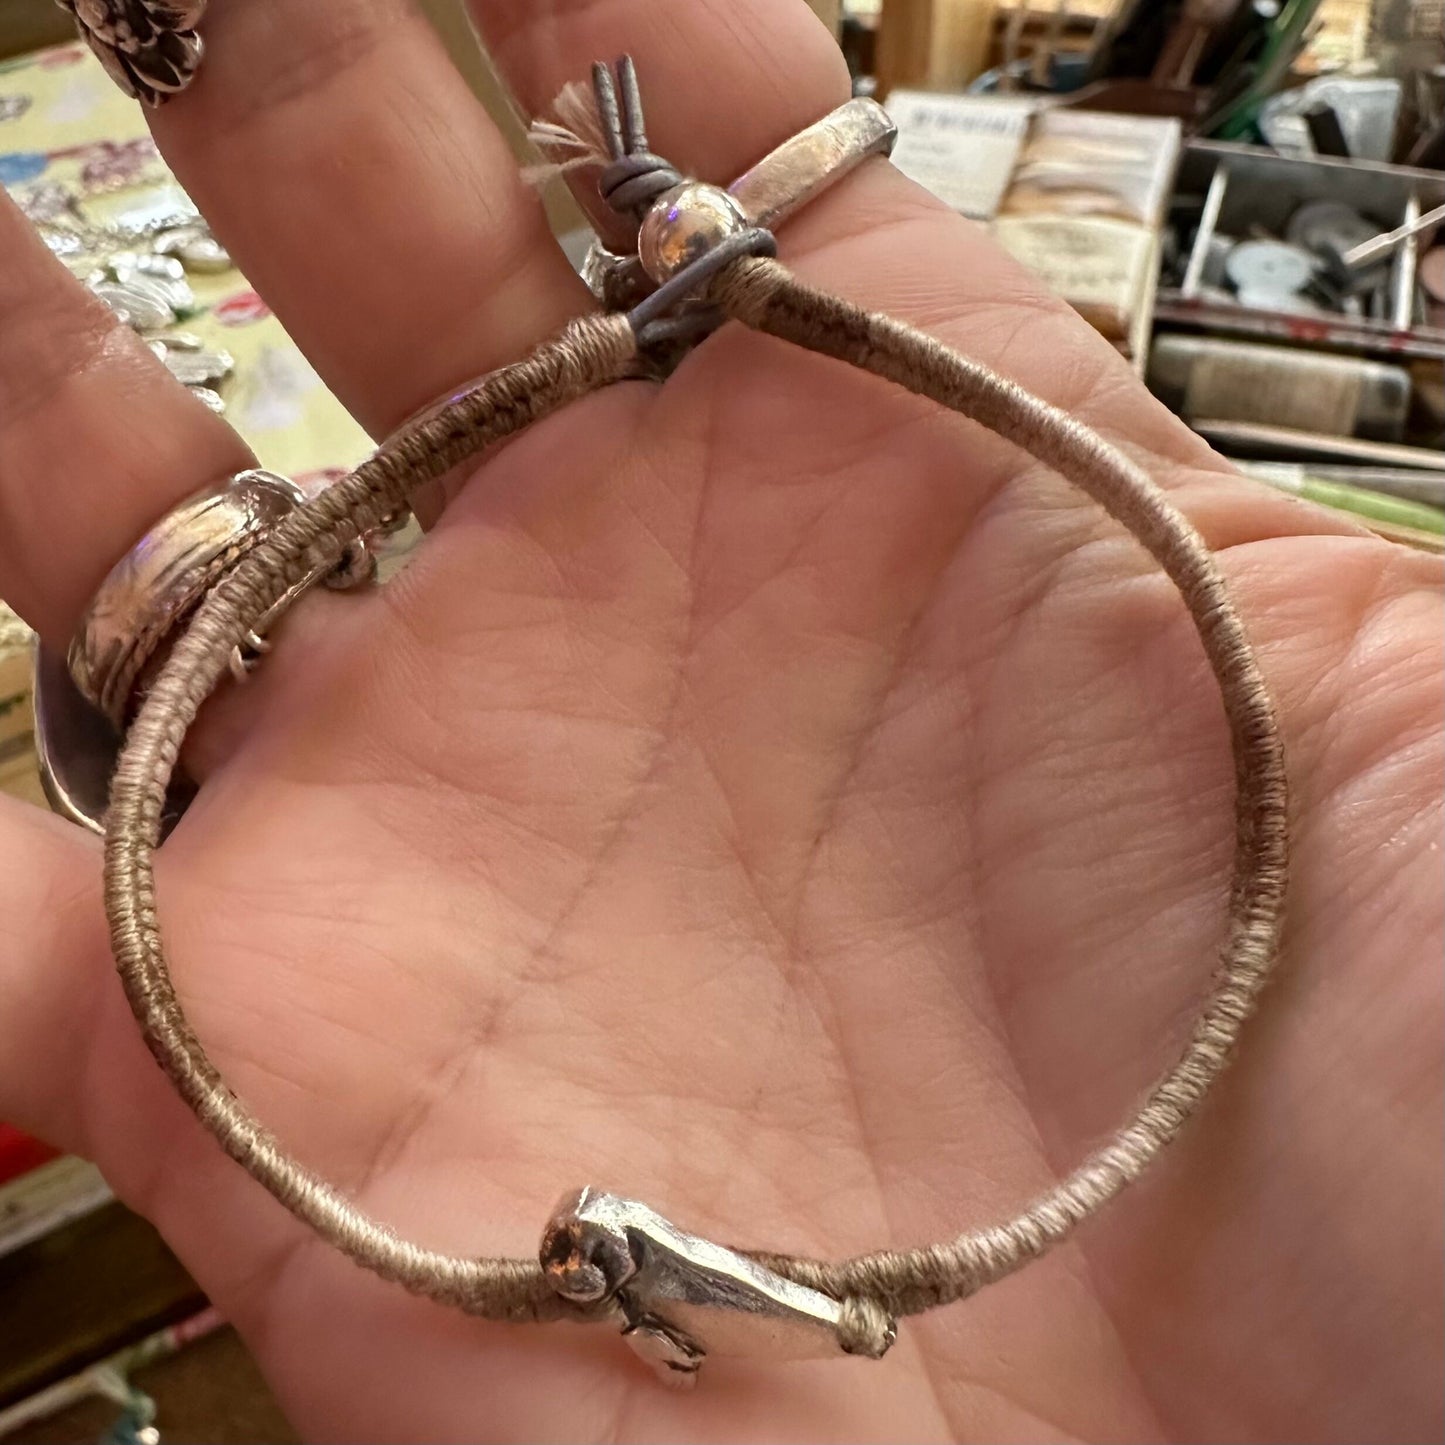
{"x": 84, "y": 701}
{"x": 150, "y": 48}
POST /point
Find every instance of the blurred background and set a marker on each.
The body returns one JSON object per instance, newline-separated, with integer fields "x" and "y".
{"x": 1243, "y": 196}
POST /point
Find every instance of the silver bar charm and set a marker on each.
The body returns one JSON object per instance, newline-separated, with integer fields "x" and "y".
{"x": 801, "y": 168}
{"x": 680, "y": 1298}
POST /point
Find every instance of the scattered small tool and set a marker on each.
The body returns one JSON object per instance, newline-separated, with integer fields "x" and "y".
{"x": 1382, "y": 245}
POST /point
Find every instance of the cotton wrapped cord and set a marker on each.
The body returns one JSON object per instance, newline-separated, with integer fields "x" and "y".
{"x": 764, "y": 296}
{"x": 589, "y": 354}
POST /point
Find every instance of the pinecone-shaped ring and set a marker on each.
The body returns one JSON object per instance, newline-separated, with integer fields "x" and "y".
{"x": 150, "y": 48}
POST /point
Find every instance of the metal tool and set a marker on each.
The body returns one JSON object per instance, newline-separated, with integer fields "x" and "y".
{"x": 1213, "y": 201}
{"x": 1383, "y": 244}
{"x": 1407, "y": 260}
{"x": 1299, "y": 444}
{"x": 1328, "y": 228}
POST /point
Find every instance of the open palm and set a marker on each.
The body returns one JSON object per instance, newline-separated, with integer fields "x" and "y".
{"x": 764, "y": 794}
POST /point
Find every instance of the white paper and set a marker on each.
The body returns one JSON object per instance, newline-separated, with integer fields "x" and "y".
{"x": 963, "y": 148}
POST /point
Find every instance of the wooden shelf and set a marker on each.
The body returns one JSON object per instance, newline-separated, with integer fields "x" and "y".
{"x": 933, "y": 44}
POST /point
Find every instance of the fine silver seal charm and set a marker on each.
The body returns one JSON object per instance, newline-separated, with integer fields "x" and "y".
{"x": 680, "y": 1298}
{"x": 150, "y": 48}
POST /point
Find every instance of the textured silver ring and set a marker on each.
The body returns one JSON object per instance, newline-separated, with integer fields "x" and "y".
{"x": 84, "y": 700}
{"x": 150, "y": 48}
{"x": 151, "y": 590}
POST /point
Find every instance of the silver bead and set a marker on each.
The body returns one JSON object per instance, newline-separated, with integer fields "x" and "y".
{"x": 683, "y": 224}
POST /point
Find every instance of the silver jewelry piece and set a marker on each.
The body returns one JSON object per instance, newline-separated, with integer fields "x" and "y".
{"x": 191, "y": 362}
{"x": 83, "y": 702}
{"x": 677, "y": 1297}
{"x": 76, "y": 749}
{"x": 141, "y": 273}
{"x": 680, "y": 1298}
{"x": 805, "y": 165}
{"x": 694, "y": 217}
{"x": 150, "y": 48}
{"x": 195, "y": 248}
{"x": 136, "y": 303}
{"x": 162, "y": 276}
{"x": 158, "y": 583}
{"x": 81, "y": 243}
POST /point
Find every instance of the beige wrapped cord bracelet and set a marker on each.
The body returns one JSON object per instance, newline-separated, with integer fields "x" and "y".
{"x": 675, "y": 1296}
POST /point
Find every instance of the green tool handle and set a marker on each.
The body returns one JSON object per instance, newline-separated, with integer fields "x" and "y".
{"x": 1363, "y": 502}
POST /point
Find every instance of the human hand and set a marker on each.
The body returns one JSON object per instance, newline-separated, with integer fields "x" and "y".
{"x": 765, "y": 795}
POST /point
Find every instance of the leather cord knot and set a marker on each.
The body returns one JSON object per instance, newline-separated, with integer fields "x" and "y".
{"x": 673, "y": 317}
{"x": 636, "y": 177}
{"x": 630, "y": 185}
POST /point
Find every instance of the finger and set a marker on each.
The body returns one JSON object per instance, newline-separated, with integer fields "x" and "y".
{"x": 52, "y": 966}
{"x": 74, "y": 1070}
{"x": 724, "y": 81}
{"x": 366, "y": 194}
{"x": 97, "y": 439}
